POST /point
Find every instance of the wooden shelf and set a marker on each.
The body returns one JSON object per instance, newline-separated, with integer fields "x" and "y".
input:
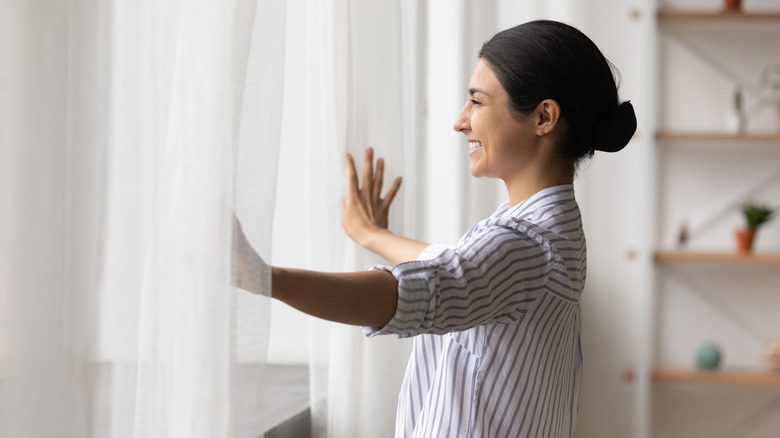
{"x": 664, "y": 256}
{"x": 757, "y": 377}
{"x": 718, "y": 15}
{"x": 716, "y": 136}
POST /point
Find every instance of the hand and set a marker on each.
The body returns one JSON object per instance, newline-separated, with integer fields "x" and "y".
{"x": 365, "y": 211}
{"x": 250, "y": 271}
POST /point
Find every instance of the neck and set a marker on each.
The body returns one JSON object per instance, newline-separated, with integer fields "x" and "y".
{"x": 523, "y": 186}
{"x": 538, "y": 167}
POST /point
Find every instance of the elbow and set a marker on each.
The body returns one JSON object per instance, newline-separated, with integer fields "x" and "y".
{"x": 387, "y": 301}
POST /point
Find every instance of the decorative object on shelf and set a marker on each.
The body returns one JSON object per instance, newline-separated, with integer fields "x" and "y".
{"x": 736, "y": 119}
{"x": 772, "y": 354}
{"x": 732, "y": 5}
{"x": 769, "y": 86}
{"x": 708, "y": 357}
{"x": 755, "y": 215}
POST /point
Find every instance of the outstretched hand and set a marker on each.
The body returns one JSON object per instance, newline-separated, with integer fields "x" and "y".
{"x": 365, "y": 211}
{"x": 250, "y": 271}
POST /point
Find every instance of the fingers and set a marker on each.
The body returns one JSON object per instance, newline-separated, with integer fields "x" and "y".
{"x": 391, "y": 193}
{"x": 380, "y": 174}
{"x": 352, "y": 181}
{"x": 371, "y": 189}
{"x": 368, "y": 170}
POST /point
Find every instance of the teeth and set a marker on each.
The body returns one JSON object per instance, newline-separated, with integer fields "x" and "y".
{"x": 475, "y": 144}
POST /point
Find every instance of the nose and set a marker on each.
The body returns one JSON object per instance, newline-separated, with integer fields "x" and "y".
{"x": 463, "y": 121}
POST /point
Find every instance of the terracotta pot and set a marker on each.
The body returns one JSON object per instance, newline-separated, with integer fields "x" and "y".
{"x": 732, "y": 5}
{"x": 745, "y": 240}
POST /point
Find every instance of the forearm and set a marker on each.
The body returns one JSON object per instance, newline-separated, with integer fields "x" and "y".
{"x": 393, "y": 248}
{"x": 367, "y": 298}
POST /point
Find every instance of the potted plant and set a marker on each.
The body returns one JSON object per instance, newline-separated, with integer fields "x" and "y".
{"x": 755, "y": 215}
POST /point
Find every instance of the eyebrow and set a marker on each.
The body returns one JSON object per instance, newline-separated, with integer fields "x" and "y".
{"x": 473, "y": 91}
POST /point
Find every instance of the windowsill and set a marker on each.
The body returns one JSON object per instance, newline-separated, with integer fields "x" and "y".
{"x": 285, "y": 401}
{"x": 282, "y": 408}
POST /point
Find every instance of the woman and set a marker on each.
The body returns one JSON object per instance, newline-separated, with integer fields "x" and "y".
{"x": 496, "y": 318}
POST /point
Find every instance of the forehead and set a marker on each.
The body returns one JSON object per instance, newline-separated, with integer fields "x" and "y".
{"x": 483, "y": 79}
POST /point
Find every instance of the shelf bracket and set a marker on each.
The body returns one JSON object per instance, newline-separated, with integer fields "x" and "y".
{"x": 720, "y": 307}
{"x": 750, "y": 422}
{"x": 713, "y": 63}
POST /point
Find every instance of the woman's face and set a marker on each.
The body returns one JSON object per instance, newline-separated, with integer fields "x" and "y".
{"x": 498, "y": 141}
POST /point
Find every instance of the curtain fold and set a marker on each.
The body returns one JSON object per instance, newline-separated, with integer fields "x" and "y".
{"x": 363, "y": 89}
{"x": 51, "y": 213}
{"x": 131, "y": 132}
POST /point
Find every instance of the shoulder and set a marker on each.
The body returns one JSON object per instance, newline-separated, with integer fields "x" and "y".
{"x": 505, "y": 241}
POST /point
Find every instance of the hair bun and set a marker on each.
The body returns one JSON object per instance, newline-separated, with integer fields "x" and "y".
{"x": 615, "y": 128}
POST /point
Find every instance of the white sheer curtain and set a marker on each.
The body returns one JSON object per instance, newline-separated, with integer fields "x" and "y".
{"x": 130, "y": 132}
{"x": 364, "y": 88}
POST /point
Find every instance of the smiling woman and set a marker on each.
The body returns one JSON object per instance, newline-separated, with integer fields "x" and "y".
{"x": 496, "y": 318}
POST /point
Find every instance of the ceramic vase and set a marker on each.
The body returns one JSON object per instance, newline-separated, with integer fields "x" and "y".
{"x": 708, "y": 357}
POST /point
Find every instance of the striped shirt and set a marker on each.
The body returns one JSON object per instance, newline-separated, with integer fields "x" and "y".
{"x": 496, "y": 321}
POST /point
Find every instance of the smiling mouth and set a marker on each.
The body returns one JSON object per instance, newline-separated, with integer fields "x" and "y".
{"x": 475, "y": 144}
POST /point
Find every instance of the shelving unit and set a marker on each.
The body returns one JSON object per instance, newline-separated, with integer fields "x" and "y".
{"x": 669, "y": 257}
{"x": 759, "y": 377}
{"x": 668, "y": 136}
{"x": 664, "y": 271}
{"x": 688, "y": 15}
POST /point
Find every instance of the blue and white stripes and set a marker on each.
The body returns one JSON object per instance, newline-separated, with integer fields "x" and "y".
{"x": 497, "y": 326}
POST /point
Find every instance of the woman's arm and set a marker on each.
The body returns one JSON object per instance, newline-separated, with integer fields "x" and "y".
{"x": 366, "y": 298}
{"x": 392, "y": 247}
{"x": 365, "y": 213}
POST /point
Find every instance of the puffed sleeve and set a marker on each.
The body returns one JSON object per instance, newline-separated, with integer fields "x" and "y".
{"x": 494, "y": 274}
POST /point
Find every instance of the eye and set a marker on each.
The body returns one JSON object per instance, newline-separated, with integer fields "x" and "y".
{"x": 475, "y": 102}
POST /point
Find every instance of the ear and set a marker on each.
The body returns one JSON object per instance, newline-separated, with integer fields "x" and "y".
{"x": 547, "y": 115}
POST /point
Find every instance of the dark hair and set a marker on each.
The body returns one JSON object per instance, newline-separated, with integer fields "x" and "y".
{"x": 544, "y": 59}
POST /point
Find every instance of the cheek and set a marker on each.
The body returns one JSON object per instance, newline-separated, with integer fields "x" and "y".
{"x": 480, "y": 124}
